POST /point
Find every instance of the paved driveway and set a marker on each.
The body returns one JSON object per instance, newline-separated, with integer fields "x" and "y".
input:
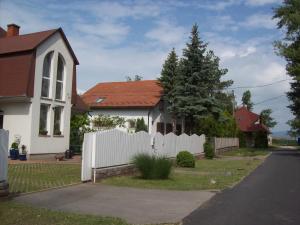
{"x": 137, "y": 206}
{"x": 269, "y": 196}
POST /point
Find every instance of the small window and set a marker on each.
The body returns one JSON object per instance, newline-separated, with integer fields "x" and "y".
{"x": 46, "y": 76}
{"x": 1, "y": 119}
{"x": 57, "y": 120}
{"x": 99, "y": 100}
{"x": 44, "y": 111}
{"x": 160, "y": 127}
{"x": 169, "y": 128}
{"x": 60, "y": 78}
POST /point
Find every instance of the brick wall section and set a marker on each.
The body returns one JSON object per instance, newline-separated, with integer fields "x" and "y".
{"x": 115, "y": 171}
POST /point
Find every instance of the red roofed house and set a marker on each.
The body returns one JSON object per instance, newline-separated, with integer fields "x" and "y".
{"x": 131, "y": 100}
{"x": 37, "y": 88}
{"x": 249, "y": 123}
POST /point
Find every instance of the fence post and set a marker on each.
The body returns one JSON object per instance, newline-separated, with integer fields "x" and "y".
{"x": 3, "y": 163}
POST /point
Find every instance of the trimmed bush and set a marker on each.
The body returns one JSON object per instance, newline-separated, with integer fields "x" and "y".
{"x": 185, "y": 159}
{"x": 153, "y": 167}
{"x": 208, "y": 150}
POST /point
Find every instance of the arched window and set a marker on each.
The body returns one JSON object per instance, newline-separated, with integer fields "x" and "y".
{"x": 46, "y": 75}
{"x": 60, "y": 77}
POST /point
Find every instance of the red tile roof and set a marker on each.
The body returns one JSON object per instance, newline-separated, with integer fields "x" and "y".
{"x": 17, "y": 62}
{"x": 80, "y": 106}
{"x": 27, "y": 42}
{"x": 132, "y": 94}
{"x": 248, "y": 121}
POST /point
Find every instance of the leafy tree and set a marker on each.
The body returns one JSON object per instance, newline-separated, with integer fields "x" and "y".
{"x": 134, "y": 78}
{"x": 168, "y": 81}
{"x": 266, "y": 118}
{"x": 80, "y": 124}
{"x": 288, "y": 16}
{"x": 103, "y": 122}
{"x": 246, "y": 100}
{"x": 140, "y": 125}
{"x": 198, "y": 81}
{"x": 211, "y": 127}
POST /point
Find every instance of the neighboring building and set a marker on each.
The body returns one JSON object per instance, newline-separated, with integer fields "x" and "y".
{"x": 131, "y": 100}
{"x": 37, "y": 88}
{"x": 249, "y": 123}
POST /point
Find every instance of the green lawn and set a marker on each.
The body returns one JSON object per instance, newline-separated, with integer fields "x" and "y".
{"x": 247, "y": 152}
{"x": 38, "y": 176}
{"x": 225, "y": 173}
{"x": 18, "y": 214}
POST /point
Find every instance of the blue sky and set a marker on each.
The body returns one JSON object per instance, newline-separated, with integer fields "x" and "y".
{"x": 114, "y": 39}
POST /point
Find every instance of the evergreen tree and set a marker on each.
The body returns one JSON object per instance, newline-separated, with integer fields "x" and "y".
{"x": 140, "y": 125}
{"x": 198, "y": 81}
{"x": 289, "y": 20}
{"x": 266, "y": 118}
{"x": 167, "y": 81}
{"x": 246, "y": 100}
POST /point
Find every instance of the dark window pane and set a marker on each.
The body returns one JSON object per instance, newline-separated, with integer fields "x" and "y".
{"x": 1, "y": 121}
{"x": 60, "y": 68}
{"x": 169, "y": 128}
{"x": 43, "y": 118}
{"x": 45, "y": 87}
{"x": 47, "y": 65}
{"x": 160, "y": 128}
{"x": 58, "y": 93}
{"x": 57, "y": 120}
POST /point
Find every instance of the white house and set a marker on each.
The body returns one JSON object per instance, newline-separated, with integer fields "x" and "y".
{"x": 131, "y": 100}
{"x": 37, "y": 88}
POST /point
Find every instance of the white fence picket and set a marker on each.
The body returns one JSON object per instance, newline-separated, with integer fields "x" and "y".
{"x": 114, "y": 147}
{"x": 3, "y": 154}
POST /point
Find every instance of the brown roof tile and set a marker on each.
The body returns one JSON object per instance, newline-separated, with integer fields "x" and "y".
{"x": 133, "y": 94}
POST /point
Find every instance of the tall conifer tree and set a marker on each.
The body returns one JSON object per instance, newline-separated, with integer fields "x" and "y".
{"x": 167, "y": 80}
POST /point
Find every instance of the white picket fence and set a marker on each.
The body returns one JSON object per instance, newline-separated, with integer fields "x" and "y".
{"x": 225, "y": 143}
{"x": 3, "y": 154}
{"x": 114, "y": 147}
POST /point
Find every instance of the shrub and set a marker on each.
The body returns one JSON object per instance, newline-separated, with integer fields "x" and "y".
{"x": 144, "y": 163}
{"x": 261, "y": 140}
{"x": 162, "y": 168}
{"x": 185, "y": 159}
{"x": 153, "y": 167}
{"x": 208, "y": 150}
{"x": 242, "y": 139}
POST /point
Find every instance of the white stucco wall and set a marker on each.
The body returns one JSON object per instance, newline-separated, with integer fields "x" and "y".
{"x": 154, "y": 113}
{"x": 125, "y": 113}
{"x": 17, "y": 121}
{"x": 50, "y": 143}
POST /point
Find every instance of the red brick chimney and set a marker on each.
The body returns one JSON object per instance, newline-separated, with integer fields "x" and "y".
{"x": 12, "y": 30}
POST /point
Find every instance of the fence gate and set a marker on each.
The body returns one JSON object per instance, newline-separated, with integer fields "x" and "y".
{"x": 87, "y": 151}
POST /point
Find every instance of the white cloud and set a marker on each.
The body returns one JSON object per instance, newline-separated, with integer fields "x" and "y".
{"x": 262, "y": 2}
{"x": 259, "y": 20}
{"x": 218, "y": 5}
{"x": 106, "y": 31}
{"x": 167, "y": 34}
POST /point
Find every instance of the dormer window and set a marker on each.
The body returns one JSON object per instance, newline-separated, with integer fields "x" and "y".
{"x": 99, "y": 100}
{"x": 46, "y": 75}
{"x": 60, "y": 78}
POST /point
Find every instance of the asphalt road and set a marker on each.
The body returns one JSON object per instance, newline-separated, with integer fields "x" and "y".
{"x": 269, "y": 196}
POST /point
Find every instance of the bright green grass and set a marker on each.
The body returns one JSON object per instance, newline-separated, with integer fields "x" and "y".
{"x": 247, "y": 152}
{"x": 18, "y": 214}
{"x": 224, "y": 172}
{"x": 38, "y": 176}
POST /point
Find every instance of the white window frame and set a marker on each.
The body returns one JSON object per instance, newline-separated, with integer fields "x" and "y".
{"x": 62, "y": 81}
{"x": 50, "y": 75}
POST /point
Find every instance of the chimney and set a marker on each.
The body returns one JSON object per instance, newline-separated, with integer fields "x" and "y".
{"x": 12, "y": 30}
